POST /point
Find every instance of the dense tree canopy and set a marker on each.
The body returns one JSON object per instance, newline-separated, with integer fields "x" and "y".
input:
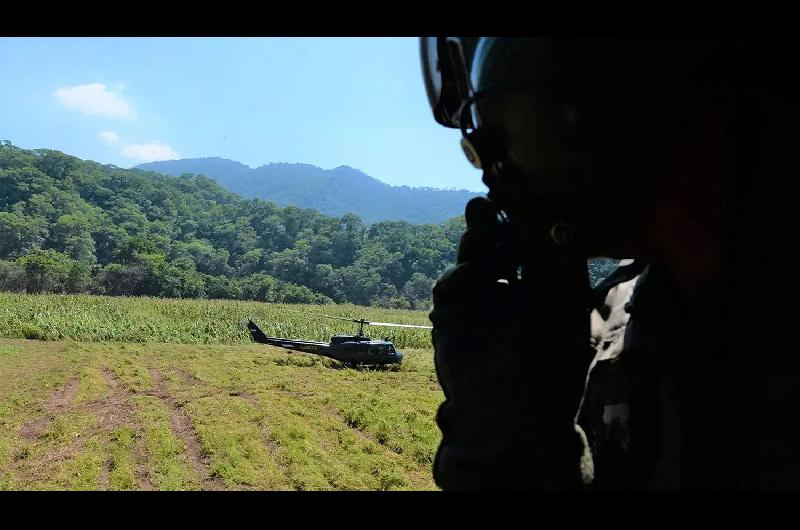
{"x": 70, "y": 225}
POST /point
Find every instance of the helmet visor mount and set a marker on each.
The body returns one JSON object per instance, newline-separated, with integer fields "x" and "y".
{"x": 448, "y": 77}
{"x": 445, "y": 71}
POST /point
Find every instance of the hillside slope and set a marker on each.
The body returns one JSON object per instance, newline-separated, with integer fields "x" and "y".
{"x": 331, "y": 191}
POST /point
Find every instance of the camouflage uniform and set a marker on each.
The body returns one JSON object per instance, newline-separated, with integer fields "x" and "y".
{"x": 628, "y": 411}
{"x": 677, "y": 396}
{"x": 666, "y": 407}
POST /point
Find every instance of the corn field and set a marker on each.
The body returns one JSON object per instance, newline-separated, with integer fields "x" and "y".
{"x": 142, "y": 320}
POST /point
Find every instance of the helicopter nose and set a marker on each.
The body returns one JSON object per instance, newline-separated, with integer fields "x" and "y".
{"x": 399, "y": 355}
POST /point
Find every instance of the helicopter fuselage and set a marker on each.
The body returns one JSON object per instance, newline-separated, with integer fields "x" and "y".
{"x": 351, "y": 349}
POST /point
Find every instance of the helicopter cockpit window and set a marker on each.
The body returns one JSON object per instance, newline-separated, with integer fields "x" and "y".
{"x": 377, "y": 349}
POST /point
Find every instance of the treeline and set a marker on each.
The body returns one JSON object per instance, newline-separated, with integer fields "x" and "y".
{"x": 74, "y": 226}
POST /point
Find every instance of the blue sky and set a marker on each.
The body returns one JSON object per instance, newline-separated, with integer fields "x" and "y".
{"x": 323, "y": 101}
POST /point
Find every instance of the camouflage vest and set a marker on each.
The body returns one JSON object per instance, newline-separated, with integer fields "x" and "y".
{"x": 649, "y": 407}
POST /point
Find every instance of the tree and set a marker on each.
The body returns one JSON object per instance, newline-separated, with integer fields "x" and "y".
{"x": 12, "y": 276}
{"x": 418, "y": 290}
{"x": 78, "y": 278}
{"x": 178, "y": 281}
{"x": 325, "y": 280}
{"x": 54, "y": 163}
{"x": 387, "y": 296}
{"x": 287, "y": 265}
{"x": 121, "y": 280}
{"x": 81, "y": 248}
{"x": 346, "y": 241}
{"x": 223, "y": 288}
{"x": 109, "y": 239}
{"x": 19, "y": 233}
{"x": 454, "y": 228}
{"x": 359, "y": 285}
{"x": 133, "y": 248}
{"x": 259, "y": 287}
{"x": 49, "y": 271}
{"x": 290, "y": 293}
{"x": 250, "y": 262}
{"x": 69, "y": 225}
{"x": 207, "y": 259}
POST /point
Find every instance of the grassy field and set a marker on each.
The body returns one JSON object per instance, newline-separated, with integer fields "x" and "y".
{"x": 194, "y": 405}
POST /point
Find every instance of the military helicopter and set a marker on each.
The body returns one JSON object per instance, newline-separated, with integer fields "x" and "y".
{"x": 349, "y": 349}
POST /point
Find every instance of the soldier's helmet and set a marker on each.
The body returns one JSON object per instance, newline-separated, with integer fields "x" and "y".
{"x": 571, "y": 125}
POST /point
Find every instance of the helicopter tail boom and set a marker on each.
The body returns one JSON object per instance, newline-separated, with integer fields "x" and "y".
{"x": 291, "y": 344}
{"x": 257, "y": 334}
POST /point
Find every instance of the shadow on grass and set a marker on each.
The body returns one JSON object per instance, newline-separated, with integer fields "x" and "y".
{"x": 309, "y": 361}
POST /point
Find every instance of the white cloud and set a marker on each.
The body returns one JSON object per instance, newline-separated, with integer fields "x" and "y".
{"x": 94, "y": 98}
{"x": 149, "y": 152}
{"x": 110, "y": 137}
{"x": 146, "y": 152}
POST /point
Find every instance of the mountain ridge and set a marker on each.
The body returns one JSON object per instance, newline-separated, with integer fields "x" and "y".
{"x": 343, "y": 189}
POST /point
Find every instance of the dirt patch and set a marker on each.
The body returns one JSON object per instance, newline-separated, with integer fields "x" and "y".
{"x": 189, "y": 378}
{"x": 115, "y": 410}
{"x": 105, "y": 473}
{"x": 184, "y": 429}
{"x": 140, "y": 469}
{"x": 58, "y": 401}
{"x": 62, "y": 398}
{"x": 272, "y": 446}
{"x": 35, "y": 428}
{"x": 160, "y": 387}
{"x": 111, "y": 412}
{"x": 31, "y": 472}
{"x": 110, "y": 377}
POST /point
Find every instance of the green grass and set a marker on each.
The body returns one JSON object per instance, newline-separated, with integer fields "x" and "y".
{"x": 138, "y": 393}
{"x": 254, "y": 417}
{"x": 167, "y": 464}
{"x": 142, "y": 320}
{"x": 121, "y": 460}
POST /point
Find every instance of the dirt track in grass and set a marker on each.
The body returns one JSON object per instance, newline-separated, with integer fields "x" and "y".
{"x": 169, "y": 416}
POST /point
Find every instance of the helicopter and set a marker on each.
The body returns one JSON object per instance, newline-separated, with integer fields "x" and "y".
{"x": 349, "y": 349}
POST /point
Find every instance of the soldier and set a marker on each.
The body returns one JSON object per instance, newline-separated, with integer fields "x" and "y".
{"x": 680, "y": 369}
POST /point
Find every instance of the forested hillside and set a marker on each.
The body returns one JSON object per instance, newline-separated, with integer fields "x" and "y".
{"x": 335, "y": 191}
{"x": 72, "y": 225}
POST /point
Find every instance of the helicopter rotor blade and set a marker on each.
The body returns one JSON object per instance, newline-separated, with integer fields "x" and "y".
{"x": 392, "y": 325}
{"x": 320, "y": 315}
{"x": 359, "y": 321}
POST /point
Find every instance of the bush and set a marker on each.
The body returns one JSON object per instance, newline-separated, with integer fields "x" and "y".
{"x": 12, "y": 277}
